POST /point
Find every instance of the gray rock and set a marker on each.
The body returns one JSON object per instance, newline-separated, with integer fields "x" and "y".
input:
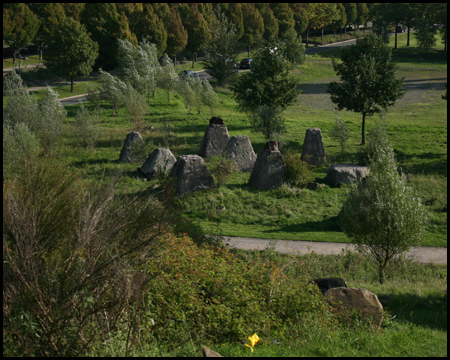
{"x": 207, "y": 352}
{"x": 127, "y": 154}
{"x": 215, "y": 139}
{"x": 313, "y": 149}
{"x": 269, "y": 169}
{"x": 159, "y": 160}
{"x": 346, "y": 173}
{"x": 240, "y": 150}
{"x": 192, "y": 174}
{"x": 363, "y": 301}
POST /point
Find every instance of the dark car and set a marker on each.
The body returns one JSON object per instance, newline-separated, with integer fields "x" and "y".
{"x": 29, "y": 49}
{"x": 400, "y": 29}
{"x": 8, "y": 51}
{"x": 246, "y": 63}
{"x": 230, "y": 61}
{"x": 186, "y": 73}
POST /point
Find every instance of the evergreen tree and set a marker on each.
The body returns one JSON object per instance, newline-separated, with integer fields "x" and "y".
{"x": 177, "y": 36}
{"x": 253, "y": 26}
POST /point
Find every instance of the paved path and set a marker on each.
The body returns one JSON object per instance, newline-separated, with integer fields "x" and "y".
{"x": 421, "y": 254}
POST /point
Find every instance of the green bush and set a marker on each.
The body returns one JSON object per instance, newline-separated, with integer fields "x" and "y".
{"x": 297, "y": 170}
{"x": 221, "y": 169}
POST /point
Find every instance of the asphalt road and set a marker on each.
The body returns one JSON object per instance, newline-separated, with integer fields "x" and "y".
{"x": 422, "y": 254}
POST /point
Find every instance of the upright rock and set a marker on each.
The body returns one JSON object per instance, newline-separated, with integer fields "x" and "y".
{"x": 160, "y": 159}
{"x": 127, "y": 154}
{"x": 363, "y": 301}
{"x": 346, "y": 173}
{"x": 215, "y": 139}
{"x": 313, "y": 149}
{"x": 240, "y": 150}
{"x": 269, "y": 169}
{"x": 192, "y": 174}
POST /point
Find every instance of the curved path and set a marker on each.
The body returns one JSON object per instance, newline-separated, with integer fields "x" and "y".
{"x": 422, "y": 254}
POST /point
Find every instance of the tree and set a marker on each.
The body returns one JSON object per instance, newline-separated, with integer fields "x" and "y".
{"x": 136, "y": 106}
{"x": 20, "y": 26}
{"x": 209, "y": 97}
{"x": 168, "y": 78}
{"x": 71, "y": 52}
{"x": 222, "y": 47}
{"x": 269, "y": 83}
{"x": 271, "y": 27}
{"x": 177, "y": 36}
{"x": 301, "y": 17}
{"x": 294, "y": 49}
{"x": 51, "y": 121}
{"x": 268, "y": 120}
{"x": 383, "y": 215}
{"x": 151, "y": 28}
{"x": 112, "y": 89}
{"x": 86, "y": 128}
{"x": 284, "y": 16}
{"x": 368, "y": 79}
{"x": 253, "y": 26}
{"x": 351, "y": 12}
{"x": 339, "y": 131}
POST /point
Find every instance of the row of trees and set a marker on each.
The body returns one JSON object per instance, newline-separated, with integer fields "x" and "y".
{"x": 179, "y": 27}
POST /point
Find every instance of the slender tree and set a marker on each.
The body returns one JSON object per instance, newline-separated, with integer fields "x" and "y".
{"x": 177, "y": 36}
{"x": 253, "y": 26}
{"x": 368, "y": 79}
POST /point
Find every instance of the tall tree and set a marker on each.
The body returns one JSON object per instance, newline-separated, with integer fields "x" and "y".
{"x": 50, "y": 15}
{"x": 234, "y": 13}
{"x": 20, "y": 26}
{"x": 271, "y": 27}
{"x": 253, "y": 25}
{"x": 285, "y": 17}
{"x": 362, "y": 15}
{"x": 301, "y": 17}
{"x": 222, "y": 47}
{"x": 197, "y": 28}
{"x": 368, "y": 79}
{"x": 351, "y": 13}
{"x": 151, "y": 27}
{"x": 105, "y": 25}
{"x": 177, "y": 36}
{"x": 71, "y": 52}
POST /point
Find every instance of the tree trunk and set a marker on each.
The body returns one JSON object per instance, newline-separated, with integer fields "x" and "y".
{"x": 407, "y": 41}
{"x": 363, "y": 141}
{"x": 71, "y": 84}
{"x": 381, "y": 274}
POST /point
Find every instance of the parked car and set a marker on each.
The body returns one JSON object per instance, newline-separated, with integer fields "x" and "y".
{"x": 8, "y": 51}
{"x": 29, "y": 49}
{"x": 400, "y": 28}
{"x": 189, "y": 73}
{"x": 246, "y": 63}
{"x": 230, "y": 61}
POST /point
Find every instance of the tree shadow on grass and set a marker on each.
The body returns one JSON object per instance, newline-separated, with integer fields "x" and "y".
{"x": 329, "y": 224}
{"x": 427, "y": 311}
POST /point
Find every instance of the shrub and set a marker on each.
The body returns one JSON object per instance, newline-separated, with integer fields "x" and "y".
{"x": 86, "y": 128}
{"x": 221, "y": 169}
{"x": 297, "y": 170}
{"x": 339, "y": 132}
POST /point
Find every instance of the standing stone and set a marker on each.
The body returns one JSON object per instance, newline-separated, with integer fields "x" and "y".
{"x": 269, "y": 169}
{"x": 127, "y": 154}
{"x": 160, "y": 159}
{"x": 192, "y": 174}
{"x": 346, "y": 173}
{"x": 363, "y": 301}
{"x": 313, "y": 146}
{"x": 240, "y": 150}
{"x": 215, "y": 139}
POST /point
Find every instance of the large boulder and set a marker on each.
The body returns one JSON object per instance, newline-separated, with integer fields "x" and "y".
{"x": 127, "y": 154}
{"x": 192, "y": 174}
{"x": 347, "y": 300}
{"x": 346, "y": 173}
{"x": 215, "y": 139}
{"x": 161, "y": 159}
{"x": 269, "y": 169}
{"x": 313, "y": 149}
{"x": 240, "y": 150}
{"x": 328, "y": 283}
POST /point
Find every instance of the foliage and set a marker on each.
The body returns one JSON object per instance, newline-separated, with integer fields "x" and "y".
{"x": 221, "y": 169}
{"x": 136, "y": 106}
{"x": 86, "y": 128}
{"x": 268, "y": 121}
{"x": 383, "y": 215}
{"x": 269, "y": 83}
{"x": 168, "y": 79}
{"x": 297, "y": 170}
{"x": 209, "y": 96}
{"x": 426, "y": 36}
{"x": 339, "y": 131}
{"x": 294, "y": 49}
{"x": 112, "y": 89}
{"x": 375, "y": 88}
{"x": 70, "y": 256}
{"x": 50, "y": 124}
{"x": 221, "y": 56}
{"x": 71, "y": 52}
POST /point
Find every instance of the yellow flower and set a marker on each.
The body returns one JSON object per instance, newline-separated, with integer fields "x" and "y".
{"x": 252, "y": 341}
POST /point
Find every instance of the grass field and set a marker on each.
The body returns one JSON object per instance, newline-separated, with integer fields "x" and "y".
{"x": 416, "y": 125}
